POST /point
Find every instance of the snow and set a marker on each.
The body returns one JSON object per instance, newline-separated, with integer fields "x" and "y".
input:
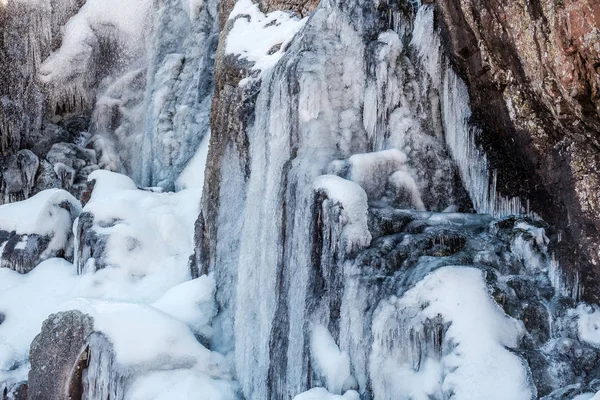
{"x": 43, "y": 214}
{"x": 191, "y": 302}
{"x": 158, "y": 336}
{"x": 149, "y": 236}
{"x": 26, "y": 301}
{"x": 40, "y": 214}
{"x": 353, "y": 200}
{"x": 107, "y": 183}
{"x": 332, "y": 363}
{"x": 323, "y": 394}
{"x": 254, "y": 34}
{"x": 473, "y": 361}
{"x": 587, "y": 396}
{"x": 143, "y": 301}
{"x": 142, "y": 334}
{"x": 178, "y": 384}
{"x": 588, "y": 324}
{"x": 372, "y": 170}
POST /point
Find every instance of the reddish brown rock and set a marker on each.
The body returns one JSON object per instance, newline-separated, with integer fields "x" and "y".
{"x": 532, "y": 68}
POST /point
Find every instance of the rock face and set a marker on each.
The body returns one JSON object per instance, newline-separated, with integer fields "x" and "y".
{"x": 70, "y": 360}
{"x": 58, "y": 355}
{"x": 532, "y": 68}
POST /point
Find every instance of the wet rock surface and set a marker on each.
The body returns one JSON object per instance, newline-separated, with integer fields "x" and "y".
{"x": 520, "y": 282}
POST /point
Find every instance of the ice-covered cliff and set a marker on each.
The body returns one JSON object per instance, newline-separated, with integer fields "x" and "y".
{"x": 100, "y": 84}
{"x": 274, "y": 200}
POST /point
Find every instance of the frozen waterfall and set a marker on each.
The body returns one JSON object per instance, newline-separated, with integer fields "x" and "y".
{"x": 266, "y": 205}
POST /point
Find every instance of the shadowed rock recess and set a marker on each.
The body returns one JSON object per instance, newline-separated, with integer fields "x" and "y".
{"x": 533, "y": 72}
{"x": 300, "y": 199}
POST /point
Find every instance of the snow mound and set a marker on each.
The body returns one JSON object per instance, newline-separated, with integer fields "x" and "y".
{"x": 438, "y": 338}
{"x": 146, "y": 238}
{"x": 43, "y": 228}
{"x": 323, "y": 394}
{"x": 143, "y": 335}
{"x": 261, "y": 38}
{"x": 43, "y": 214}
{"x": 142, "y": 239}
{"x": 191, "y": 302}
{"x": 353, "y": 200}
{"x": 588, "y": 324}
{"x": 146, "y": 338}
{"x": 26, "y": 301}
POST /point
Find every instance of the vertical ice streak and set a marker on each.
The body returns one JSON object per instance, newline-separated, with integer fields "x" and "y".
{"x": 476, "y": 174}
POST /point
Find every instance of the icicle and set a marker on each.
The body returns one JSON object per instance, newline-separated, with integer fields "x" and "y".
{"x": 102, "y": 379}
{"x": 460, "y": 136}
{"x": 29, "y": 164}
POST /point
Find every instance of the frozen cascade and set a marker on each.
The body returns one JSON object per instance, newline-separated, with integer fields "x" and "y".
{"x": 337, "y": 256}
{"x": 178, "y": 92}
{"x": 358, "y": 109}
{"x": 30, "y": 29}
{"x": 64, "y": 61}
{"x": 305, "y": 114}
{"x": 144, "y": 72}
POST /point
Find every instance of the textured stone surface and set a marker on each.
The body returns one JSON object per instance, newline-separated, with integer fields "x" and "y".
{"x": 22, "y": 250}
{"x": 533, "y": 73}
{"x": 56, "y": 354}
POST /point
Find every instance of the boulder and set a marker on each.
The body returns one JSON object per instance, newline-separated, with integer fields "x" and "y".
{"x": 55, "y": 355}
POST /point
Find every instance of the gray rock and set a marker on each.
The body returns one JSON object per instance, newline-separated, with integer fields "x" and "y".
{"x": 57, "y": 355}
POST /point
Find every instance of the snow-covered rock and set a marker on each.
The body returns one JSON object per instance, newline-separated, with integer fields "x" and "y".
{"x": 126, "y": 231}
{"x": 36, "y": 229}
